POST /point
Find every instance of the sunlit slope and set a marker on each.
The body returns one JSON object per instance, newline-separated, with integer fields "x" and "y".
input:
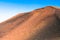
{"x": 39, "y": 24}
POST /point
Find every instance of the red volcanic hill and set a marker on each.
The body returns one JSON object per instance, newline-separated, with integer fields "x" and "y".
{"x": 39, "y": 24}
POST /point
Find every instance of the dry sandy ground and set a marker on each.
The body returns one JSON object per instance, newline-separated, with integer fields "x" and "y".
{"x": 39, "y": 24}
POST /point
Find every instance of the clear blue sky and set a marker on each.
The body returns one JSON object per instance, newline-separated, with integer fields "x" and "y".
{"x": 9, "y": 8}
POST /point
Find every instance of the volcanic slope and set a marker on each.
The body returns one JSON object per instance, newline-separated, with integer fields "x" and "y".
{"x": 39, "y": 24}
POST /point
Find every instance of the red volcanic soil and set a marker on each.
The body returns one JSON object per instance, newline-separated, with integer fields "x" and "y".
{"x": 39, "y": 24}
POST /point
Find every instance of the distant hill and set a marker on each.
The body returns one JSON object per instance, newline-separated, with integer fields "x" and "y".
{"x": 39, "y": 24}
